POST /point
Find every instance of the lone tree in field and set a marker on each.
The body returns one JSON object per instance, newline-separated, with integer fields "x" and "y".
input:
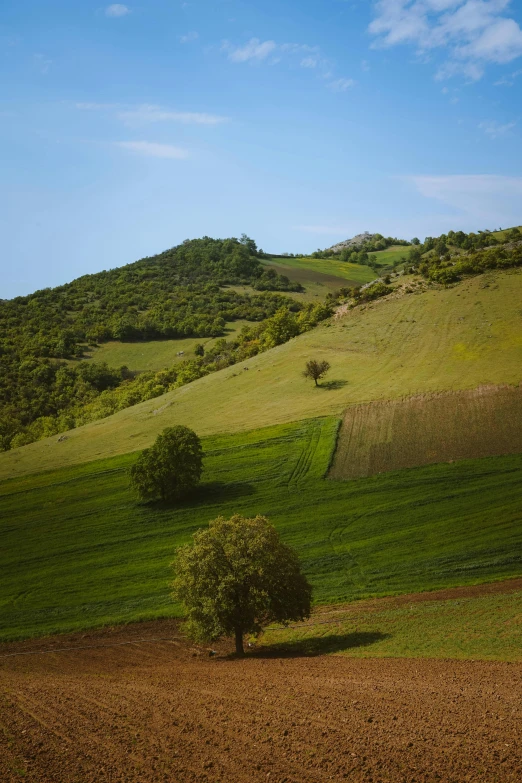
{"x": 236, "y": 577}
{"x": 171, "y": 467}
{"x": 316, "y": 370}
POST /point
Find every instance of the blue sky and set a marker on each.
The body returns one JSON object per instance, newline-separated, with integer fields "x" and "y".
{"x": 127, "y": 128}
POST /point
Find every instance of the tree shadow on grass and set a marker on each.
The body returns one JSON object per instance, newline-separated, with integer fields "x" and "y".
{"x": 332, "y": 385}
{"x": 322, "y": 645}
{"x": 208, "y": 492}
{"x": 221, "y": 491}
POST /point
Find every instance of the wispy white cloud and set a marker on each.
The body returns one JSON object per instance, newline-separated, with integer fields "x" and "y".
{"x": 253, "y": 51}
{"x": 484, "y": 200}
{"x": 509, "y": 80}
{"x": 117, "y": 10}
{"x": 297, "y": 55}
{"x": 189, "y": 37}
{"x": 312, "y": 61}
{"x": 146, "y": 114}
{"x": 152, "y": 149}
{"x": 341, "y": 85}
{"x": 495, "y": 130}
{"x": 474, "y": 33}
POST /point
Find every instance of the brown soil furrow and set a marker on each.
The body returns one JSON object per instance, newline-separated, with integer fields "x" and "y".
{"x": 125, "y": 717}
{"x": 426, "y": 429}
{"x": 119, "y": 711}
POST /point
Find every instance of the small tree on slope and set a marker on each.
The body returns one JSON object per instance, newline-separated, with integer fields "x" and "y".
{"x": 171, "y": 467}
{"x": 316, "y": 370}
{"x": 236, "y": 577}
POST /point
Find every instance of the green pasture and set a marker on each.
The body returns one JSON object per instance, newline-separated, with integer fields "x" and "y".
{"x": 501, "y": 234}
{"x": 486, "y": 627}
{"x": 391, "y": 254}
{"x": 315, "y": 270}
{"x": 77, "y": 550}
{"x": 155, "y": 354}
{"x": 442, "y": 339}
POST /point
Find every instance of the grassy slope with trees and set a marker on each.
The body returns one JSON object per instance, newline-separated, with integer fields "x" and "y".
{"x": 78, "y": 550}
{"x": 436, "y": 340}
{"x": 184, "y": 292}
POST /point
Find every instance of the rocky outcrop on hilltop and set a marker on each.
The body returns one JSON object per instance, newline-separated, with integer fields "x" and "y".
{"x": 360, "y": 239}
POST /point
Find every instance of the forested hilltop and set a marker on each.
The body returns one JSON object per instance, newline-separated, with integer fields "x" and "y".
{"x": 174, "y": 294}
{"x": 182, "y": 292}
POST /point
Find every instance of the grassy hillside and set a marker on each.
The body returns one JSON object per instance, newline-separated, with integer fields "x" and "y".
{"x": 391, "y": 254}
{"x": 441, "y": 339}
{"x": 156, "y": 354}
{"x": 78, "y": 550}
{"x": 318, "y": 270}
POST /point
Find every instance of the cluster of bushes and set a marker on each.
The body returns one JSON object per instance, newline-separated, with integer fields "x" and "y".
{"x": 443, "y": 260}
{"x": 361, "y": 295}
{"x": 49, "y": 397}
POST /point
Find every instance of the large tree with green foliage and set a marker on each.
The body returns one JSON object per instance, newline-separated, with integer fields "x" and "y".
{"x": 236, "y": 577}
{"x": 171, "y": 467}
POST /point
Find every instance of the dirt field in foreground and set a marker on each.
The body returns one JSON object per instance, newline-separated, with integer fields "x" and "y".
{"x": 139, "y": 703}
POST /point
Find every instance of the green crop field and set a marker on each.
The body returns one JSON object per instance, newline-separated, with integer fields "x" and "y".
{"x": 318, "y": 270}
{"x": 155, "y": 354}
{"x": 424, "y": 430}
{"x": 77, "y": 550}
{"x": 442, "y": 339}
{"x": 486, "y": 627}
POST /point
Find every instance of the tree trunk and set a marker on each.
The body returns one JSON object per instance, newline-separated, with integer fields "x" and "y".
{"x": 240, "y": 651}
{"x": 315, "y": 379}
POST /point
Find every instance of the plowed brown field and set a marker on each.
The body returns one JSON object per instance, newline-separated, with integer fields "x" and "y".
{"x": 391, "y": 435}
{"x": 139, "y": 703}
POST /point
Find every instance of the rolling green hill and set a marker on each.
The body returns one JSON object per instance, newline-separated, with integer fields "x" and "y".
{"x": 79, "y": 551}
{"x": 434, "y": 340}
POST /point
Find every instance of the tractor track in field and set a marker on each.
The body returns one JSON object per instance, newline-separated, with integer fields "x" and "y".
{"x": 306, "y": 457}
{"x": 140, "y": 704}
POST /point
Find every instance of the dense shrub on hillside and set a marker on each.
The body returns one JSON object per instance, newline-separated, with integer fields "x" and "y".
{"x": 446, "y": 258}
{"x": 171, "y": 467}
{"x": 448, "y": 268}
{"x": 44, "y": 398}
{"x": 367, "y": 293}
{"x": 371, "y": 292}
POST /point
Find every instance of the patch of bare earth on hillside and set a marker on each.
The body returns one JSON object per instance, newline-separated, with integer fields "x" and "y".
{"x": 426, "y": 429}
{"x": 141, "y": 704}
